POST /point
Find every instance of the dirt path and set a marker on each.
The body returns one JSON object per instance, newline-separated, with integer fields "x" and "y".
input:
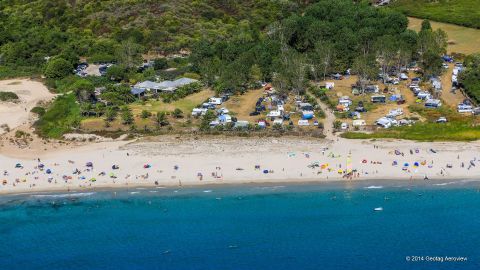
{"x": 448, "y": 97}
{"x": 328, "y": 121}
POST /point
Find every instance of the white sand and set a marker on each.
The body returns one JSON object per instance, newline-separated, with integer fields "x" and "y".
{"x": 232, "y": 161}
{"x": 30, "y": 93}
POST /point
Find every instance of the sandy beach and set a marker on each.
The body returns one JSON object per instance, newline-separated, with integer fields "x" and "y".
{"x": 169, "y": 161}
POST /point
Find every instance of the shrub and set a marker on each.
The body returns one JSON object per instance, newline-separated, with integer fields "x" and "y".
{"x": 62, "y": 115}
{"x": 161, "y": 119}
{"x": 38, "y": 110}
{"x": 8, "y": 96}
{"x": 177, "y": 113}
{"x": 145, "y": 114}
{"x": 127, "y": 116}
{"x": 58, "y": 68}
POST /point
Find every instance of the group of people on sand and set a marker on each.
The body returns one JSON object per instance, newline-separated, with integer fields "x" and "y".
{"x": 330, "y": 165}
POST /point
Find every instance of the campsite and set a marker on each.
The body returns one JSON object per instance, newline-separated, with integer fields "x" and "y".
{"x": 372, "y": 82}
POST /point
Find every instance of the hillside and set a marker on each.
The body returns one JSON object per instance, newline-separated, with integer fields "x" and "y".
{"x": 32, "y": 30}
{"x": 461, "y": 12}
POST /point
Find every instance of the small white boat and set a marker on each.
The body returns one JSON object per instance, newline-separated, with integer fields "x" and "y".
{"x": 378, "y": 209}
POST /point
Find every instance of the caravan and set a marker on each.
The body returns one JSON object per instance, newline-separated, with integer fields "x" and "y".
{"x": 433, "y": 103}
{"x": 379, "y": 99}
{"x": 464, "y": 108}
{"x": 386, "y": 122}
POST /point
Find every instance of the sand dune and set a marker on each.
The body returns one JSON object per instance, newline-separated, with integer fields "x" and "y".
{"x": 30, "y": 94}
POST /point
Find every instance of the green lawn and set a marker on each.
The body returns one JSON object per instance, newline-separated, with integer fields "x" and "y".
{"x": 461, "y": 127}
{"x": 461, "y": 12}
{"x": 461, "y": 39}
{"x": 424, "y": 132}
{"x": 185, "y": 104}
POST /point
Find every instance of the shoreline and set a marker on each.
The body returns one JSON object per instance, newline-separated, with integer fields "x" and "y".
{"x": 343, "y": 184}
{"x": 191, "y": 162}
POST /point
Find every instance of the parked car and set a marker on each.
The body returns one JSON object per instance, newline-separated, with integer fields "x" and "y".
{"x": 442, "y": 120}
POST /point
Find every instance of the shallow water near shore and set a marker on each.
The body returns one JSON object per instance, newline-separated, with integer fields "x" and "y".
{"x": 310, "y": 226}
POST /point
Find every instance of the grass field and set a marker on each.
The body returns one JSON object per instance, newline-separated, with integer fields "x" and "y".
{"x": 184, "y": 104}
{"x": 424, "y": 132}
{"x": 461, "y": 39}
{"x": 461, "y": 127}
{"x": 460, "y": 12}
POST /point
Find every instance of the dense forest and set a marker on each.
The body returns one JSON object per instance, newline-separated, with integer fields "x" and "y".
{"x": 33, "y": 30}
{"x": 327, "y": 37}
{"x": 234, "y": 45}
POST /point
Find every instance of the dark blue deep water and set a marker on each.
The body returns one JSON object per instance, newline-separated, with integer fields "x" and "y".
{"x": 246, "y": 227}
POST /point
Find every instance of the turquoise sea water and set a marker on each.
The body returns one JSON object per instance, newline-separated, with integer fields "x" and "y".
{"x": 328, "y": 226}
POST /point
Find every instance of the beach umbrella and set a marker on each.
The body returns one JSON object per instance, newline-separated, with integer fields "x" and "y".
{"x": 93, "y": 179}
{"x": 41, "y": 166}
{"x": 265, "y": 171}
{"x": 146, "y": 166}
{"x": 112, "y": 175}
{"x": 406, "y": 164}
{"x": 397, "y": 152}
{"x": 89, "y": 164}
{"x": 49, "y": 171}
{"x": 416, "y": 164}
{"x": 394, "y": 163}
{"x": 18, "y": 165}
{"x": 115, "y": 167}
{"x": 82, "y": 178}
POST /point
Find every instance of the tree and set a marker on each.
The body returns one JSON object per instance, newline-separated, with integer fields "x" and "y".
{"x": 207, "y": 118}
{"x": 255, "y": 74}
{"x": 337, "y": 124}
{"x": 110, "y": 114}
{"x": 99, "y": 108}
{"x": 160, "y": 64}
{"x": 161, "y": 119}
{"x": 116, "y": 73}
{"x": 426, "y": 26}
{"x": 365, "y": 67}
{"x": 84, "y": 90}
{"x": 58, "y": 68}
{"x": 210, "y": 68}
{"x": 386, "y": 48}
{"x": 127, "y": 116}
{"x": 431, "y": 45}
{"x": 321, "y": 59}
{"x": 129, "y": 54}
